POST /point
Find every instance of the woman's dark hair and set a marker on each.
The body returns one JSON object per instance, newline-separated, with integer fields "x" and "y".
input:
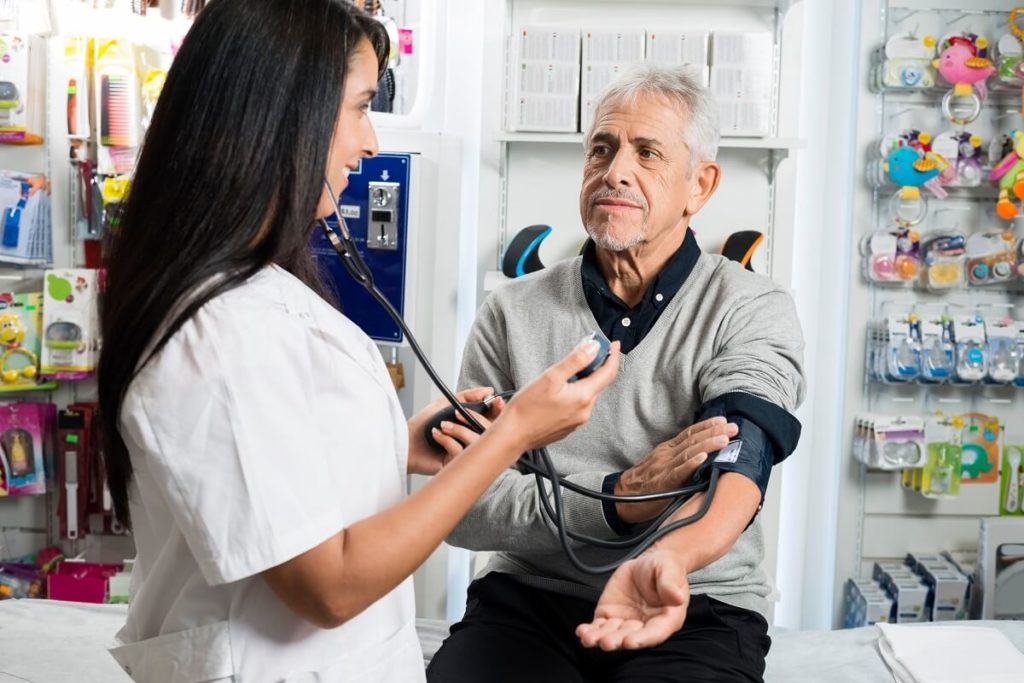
{"x": 228, "y": 180}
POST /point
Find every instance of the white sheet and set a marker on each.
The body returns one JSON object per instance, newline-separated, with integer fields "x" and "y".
{"x": 851, "y": 656}
{"x": 46, "y": 641}
{"x": 60, "y": 642}
{"x": 918, "y": 656}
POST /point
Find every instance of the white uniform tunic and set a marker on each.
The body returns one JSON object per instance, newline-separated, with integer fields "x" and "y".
{"x": 265, "y": 425}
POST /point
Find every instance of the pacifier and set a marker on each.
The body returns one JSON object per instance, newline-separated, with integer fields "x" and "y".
{"x": 1003, "y": 360}
{"x": 937, "y": 354}
{"x": 1003, "y": 352}
{"x": 943, "y": 258}
{"x": 971, "y": 356}
{"x": 905, "y": 360}
{"x": 907, "y": 64}
{"x": 991, "y": 258}
{"x": 892, "y": 256}
{"x": 1009, "y": 57}
{"x": 964, "y": 153}
{"x": 971, "y": 363}
{"x": 901, "y": 453}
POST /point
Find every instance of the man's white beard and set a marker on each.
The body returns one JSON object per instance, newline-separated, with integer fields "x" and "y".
{"x": 603, "y": 239}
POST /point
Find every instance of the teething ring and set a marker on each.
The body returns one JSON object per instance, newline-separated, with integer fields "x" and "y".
{"x": 1015, "y": 28}
{"x": 8, "y": 376}
{"x": 947, "y": 107}
{"x": 897, "y": 202}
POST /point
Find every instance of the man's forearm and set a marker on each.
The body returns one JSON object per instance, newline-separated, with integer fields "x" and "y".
{"x": 509, "y": 517}
{"x": 732, "y": 507}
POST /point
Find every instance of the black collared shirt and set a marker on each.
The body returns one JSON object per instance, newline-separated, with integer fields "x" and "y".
{"x": 628, "y": 325}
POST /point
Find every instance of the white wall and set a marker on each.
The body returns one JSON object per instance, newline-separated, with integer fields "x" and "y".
{"x": 807, "y": 542}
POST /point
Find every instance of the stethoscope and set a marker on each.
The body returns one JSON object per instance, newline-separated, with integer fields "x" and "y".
{"x": 538, "y": 461}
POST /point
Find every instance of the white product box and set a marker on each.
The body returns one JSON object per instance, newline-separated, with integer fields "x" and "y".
{"x": 742, "y": 48}
{"x": 916, "y": 559}
{"x": 880, "y": 569}
{"x": 865, "y": 604}
{"x": 541, "y": 78}
{"x": 595, "y": 77}
{"x": 744, "y": 118}
{"x": 547, "y": 44}
{"x": 545, "y": 80}
{"x": 699, "y": 72}
{"x": 678, "y": 47}
{"x": 742, "y": 83}
{"x": 1001, "y": 568}
{"x": 545, "y": 113}
{"x": 606, "y": 53}
{"x": 909, "y": 596}
{"x": 877, "y": 608}
{"x": 948, "y": 593}
{"x": 965, "y": 561}
{"x": 71, "y": 330}
{"x": 616, "y": 47}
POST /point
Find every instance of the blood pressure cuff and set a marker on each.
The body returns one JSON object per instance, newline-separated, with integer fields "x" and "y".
{"x": 768, "y": 434}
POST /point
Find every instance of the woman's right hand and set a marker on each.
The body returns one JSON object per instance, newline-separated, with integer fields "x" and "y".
{"x": 550, "y": 408}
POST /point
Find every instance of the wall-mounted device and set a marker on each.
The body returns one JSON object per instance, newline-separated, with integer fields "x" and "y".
{"x": 375, "y": 206}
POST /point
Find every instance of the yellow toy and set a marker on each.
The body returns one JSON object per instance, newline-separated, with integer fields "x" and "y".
{"x": 12, "y": 335}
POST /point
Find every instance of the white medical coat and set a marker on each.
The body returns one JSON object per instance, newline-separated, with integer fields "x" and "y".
{"x": 264, "y": 426}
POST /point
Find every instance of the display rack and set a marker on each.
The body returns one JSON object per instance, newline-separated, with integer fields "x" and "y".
{"x": 30, "y": 523}
{"x": 879, "y": 519}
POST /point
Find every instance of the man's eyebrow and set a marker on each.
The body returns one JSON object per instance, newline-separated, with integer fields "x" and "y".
{"x": 646, "y": 142}
{"x": 602, "y": 136}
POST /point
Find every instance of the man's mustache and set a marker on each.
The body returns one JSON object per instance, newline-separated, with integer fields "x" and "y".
{"x": 618, "y": 194}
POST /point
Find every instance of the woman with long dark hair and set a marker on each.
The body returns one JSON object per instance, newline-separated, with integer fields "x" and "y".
{"x": 253, "y": 441}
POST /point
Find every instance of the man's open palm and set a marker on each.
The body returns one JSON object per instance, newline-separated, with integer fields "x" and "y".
{"x": 643, "y": 604}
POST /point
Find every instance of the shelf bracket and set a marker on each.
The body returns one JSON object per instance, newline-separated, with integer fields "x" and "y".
{"x": 775, "y": 158}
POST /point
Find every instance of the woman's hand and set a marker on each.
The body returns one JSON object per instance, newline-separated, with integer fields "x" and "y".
{"x": 550, "y": 408}
{"x": 454, "y": 438}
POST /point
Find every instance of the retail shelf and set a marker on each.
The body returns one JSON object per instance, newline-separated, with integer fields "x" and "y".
{"x": 42, "y": 386}
{"x": 782, "y": 5}
{"x": 783, "y": 144}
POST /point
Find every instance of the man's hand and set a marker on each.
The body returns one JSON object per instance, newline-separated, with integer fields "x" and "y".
{"x": 643, "y": 604}
{"x": 669, "y": 466}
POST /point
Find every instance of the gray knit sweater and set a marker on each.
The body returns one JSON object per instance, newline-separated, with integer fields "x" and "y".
{"x": 725, "y": 330}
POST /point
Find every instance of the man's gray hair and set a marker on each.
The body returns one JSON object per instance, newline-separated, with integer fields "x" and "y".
{"x": 701, "y": 130}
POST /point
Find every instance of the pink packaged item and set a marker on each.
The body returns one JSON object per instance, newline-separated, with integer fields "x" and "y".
{"x": 81, "y": 581}
{"x": 26, "y": 431}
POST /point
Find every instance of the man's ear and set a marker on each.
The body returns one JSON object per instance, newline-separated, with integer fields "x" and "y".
{"x": 706, "y": 177}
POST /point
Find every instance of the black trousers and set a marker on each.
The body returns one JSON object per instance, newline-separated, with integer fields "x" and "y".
{"x": 515, "y": 633}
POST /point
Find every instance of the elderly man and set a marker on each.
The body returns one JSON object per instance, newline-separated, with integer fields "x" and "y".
{"x": 703, "y": 340}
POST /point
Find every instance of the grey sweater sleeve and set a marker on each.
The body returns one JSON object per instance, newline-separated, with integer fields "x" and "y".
{"x": 509, "y": 516}
{"x": 758, "y": 351}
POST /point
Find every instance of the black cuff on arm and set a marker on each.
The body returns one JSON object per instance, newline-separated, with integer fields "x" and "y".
{"x": 611, "y": 513}
{"x": 767, "y": 436}
{"x": 750, "y": 453}
{"x": 781, "y": 428}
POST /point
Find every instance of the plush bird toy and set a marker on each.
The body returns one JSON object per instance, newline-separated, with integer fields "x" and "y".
{"x": 910, "y": 169}
{"x": 964, "y": 64}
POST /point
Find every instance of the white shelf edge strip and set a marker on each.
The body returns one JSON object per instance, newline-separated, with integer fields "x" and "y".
{"x": 725, "y": 142}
